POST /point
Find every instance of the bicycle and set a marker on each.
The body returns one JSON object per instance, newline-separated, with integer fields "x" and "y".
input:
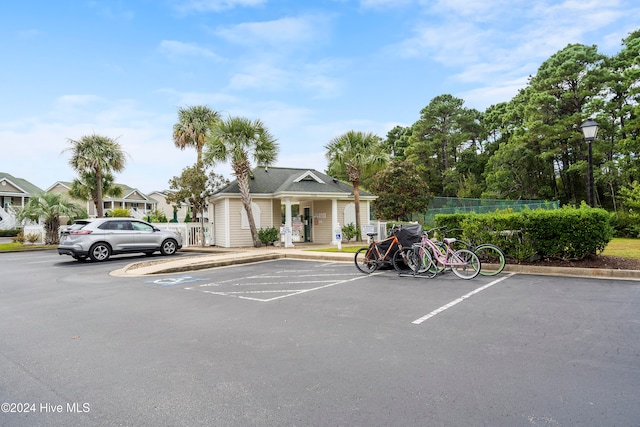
{"x": 432, "y": 260}
{"x": 369, "y": 259}
{"x": 407, "y": 260}
{"x": 492, "y": 259}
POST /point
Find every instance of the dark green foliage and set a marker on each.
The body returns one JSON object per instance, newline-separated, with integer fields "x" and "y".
{"x": 626, "y": 224}
{"x": 268, "y": 235}
{"x": 568, "y": 233}
{"x": 400, "y": 190}
{"x": 10, "y": 233}
{"x": 531, "y": 147}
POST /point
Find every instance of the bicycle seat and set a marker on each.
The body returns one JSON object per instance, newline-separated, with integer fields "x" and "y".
{"x": 449, "y": 240}
{"x": 372, "y": 234}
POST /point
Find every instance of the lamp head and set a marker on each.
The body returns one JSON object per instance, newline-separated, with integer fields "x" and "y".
{"x": 589, "y": 130}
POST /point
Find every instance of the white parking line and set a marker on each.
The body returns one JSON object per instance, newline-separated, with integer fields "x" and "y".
{"x": 459, "y": 300}
{"x": 286, "y": 292}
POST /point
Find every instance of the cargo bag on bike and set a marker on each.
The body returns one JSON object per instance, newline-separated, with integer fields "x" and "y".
{"x": 408, "y": 234}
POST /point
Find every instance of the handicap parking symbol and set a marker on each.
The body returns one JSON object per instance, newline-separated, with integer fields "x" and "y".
{"x": 172, "y": 281}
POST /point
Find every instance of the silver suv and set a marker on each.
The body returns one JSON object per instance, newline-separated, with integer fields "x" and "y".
{"x": 100, "y": 238}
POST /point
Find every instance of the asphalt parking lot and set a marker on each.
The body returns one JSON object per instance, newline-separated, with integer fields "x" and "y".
{"x": 309, "y": 343}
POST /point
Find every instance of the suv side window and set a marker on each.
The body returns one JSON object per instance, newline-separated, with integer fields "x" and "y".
{"x": 119, "y": 225}
{"x": 78, "y": 225}
{"x": 140, "y": 226}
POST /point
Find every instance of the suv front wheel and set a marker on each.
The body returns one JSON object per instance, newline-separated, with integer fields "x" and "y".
{"x": 100, "y": 252}
{"x": 169, "y": 247}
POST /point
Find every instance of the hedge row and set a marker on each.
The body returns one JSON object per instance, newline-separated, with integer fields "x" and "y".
{"x": 10, "y": 233}
{"x": 568, "y": 233}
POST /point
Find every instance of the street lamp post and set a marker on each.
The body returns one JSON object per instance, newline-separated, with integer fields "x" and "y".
{"x": 590, "y": 130}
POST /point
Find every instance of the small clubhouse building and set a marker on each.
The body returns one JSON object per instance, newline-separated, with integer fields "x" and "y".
{"x": 304, "y": 204}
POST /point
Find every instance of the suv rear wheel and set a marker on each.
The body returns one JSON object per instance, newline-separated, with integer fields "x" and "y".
{"x": 100, "y": 252}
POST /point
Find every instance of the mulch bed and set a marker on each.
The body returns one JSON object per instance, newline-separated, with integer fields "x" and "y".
{"x": 593, "y": 261}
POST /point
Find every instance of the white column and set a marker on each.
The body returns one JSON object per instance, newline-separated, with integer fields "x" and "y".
{"x": 288, "y": 224}
{"x": 335, "y": 225}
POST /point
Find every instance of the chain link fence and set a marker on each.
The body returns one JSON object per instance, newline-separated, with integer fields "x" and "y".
{"x": 450, "y": 205}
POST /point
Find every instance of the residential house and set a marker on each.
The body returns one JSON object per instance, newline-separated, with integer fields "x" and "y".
{"x": 14, "y": 195}
{"x": 163, "y": 206}
{"x": 139, "y": 204}
{"x": 304, "y": 204}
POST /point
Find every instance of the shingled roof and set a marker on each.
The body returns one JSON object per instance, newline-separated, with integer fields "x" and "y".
{"x": 292, "y": 182}
{"x": 24, "y": 185}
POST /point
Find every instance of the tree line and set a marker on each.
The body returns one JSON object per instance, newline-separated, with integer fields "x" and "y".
{"x": 532, "y": 147}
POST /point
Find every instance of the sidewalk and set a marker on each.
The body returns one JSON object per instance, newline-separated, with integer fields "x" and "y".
{"x": 212, "y": 257}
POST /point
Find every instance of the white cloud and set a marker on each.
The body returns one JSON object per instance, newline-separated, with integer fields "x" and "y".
{"x": 493, "y": 93}
{"x": 279, "y": 34}
{"x": 260, "y": 75}
{"x": 384, "y": 4}
{"x": 114, "y": 11}
{"x": 66, "y": 102}
{"x": 173, "y": 49}
{"x": 186, "y": 6}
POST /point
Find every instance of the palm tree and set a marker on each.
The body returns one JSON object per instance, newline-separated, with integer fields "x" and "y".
{"x": 99, "y": 155}
{"x": 194, "y": 126}
{"x": 235, "y": 140}
{"x": 49, "y": 207}
{"x": 85, "y": 188}
{"x": 355, "y": 154}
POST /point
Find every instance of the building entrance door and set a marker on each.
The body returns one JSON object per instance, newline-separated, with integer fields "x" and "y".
{"x": 307, "y": 224}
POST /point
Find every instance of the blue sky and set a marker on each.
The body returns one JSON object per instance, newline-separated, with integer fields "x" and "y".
{"x": 310, "y": 70}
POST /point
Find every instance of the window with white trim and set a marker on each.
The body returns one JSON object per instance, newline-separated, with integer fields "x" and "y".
{"x": 244, "y": 219}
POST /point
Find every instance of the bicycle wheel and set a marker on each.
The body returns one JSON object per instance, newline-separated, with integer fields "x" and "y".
{"x": 436, "y": 258}
{"x": 422, "y": 262}
{"x": 366, "y": 260}
{"x": 401, "y": 262}
{"x": 465, "y": 264}
{"x": 491, "y": 258}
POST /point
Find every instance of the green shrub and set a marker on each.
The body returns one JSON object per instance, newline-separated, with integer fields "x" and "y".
{"x": 157, "y": 216}
{"x": 626, "y": 224}
{"x": 10, "y": 233}
{"x": 268, "y": 235}
{"x": 349, "y": 232}
{"x": 568, "y": 233}
{"x": 118, "y": 213}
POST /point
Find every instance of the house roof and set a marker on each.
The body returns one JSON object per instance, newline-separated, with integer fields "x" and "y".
{"x": 282, "y": 182}
{"x": 127, "y": 192}
{"x": 22, "y": 184}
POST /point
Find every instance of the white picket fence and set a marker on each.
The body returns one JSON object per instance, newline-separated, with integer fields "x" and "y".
{"x": 7, "y": 218}
{"x": 190, "y": 232}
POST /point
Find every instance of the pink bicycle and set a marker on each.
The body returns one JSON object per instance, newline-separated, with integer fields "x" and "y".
{"x": 431, "y": 259}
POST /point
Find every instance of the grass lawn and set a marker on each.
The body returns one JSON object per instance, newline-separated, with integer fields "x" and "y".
{"x": 624, "y": 248}
{"x": 348, "y": 249}
{"x": 21, "y": 247}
